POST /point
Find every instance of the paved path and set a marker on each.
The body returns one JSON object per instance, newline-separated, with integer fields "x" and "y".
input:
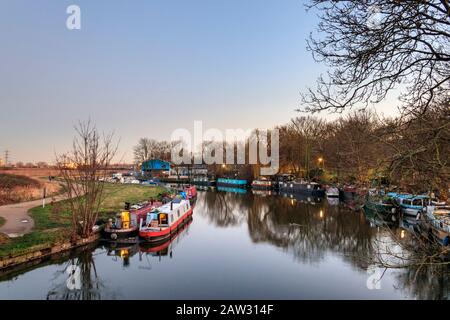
{"x": 18, "y": 222}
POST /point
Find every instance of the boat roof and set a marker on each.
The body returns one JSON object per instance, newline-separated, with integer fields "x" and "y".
{"x": 167, "y": 207}
{"x": 407, "y": 196}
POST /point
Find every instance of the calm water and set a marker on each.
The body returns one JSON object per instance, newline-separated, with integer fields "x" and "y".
{"x": 238, "y": 246}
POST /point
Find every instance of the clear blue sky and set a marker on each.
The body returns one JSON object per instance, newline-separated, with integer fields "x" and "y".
{"x": 146, "y": 67}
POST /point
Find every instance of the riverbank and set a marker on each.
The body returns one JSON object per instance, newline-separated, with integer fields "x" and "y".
{"x": 52, "y": 224}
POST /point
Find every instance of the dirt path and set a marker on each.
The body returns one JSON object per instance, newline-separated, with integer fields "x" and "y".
{"x": 18, "y": 222}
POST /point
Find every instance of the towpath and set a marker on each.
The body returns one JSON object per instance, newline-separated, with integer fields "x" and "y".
{"x": 18, "y": 221}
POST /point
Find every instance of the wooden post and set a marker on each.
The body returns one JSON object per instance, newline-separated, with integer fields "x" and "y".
{"x": 44, "y": 194}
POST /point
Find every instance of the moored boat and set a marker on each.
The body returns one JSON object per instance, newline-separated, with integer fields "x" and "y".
{"x": 410, "y": 204}
{"x": 204, "y": 181}
{"x": 169, "y": 244}
{"x": 436, "y": 218}
{"x": 310, "y": 188}
{"x": 233, "y": 183}
{"x": 125, "y": 225}
{"x": 262, "y": 184}
{"x": 348, "y": 193}
{"x": 162, "y": 222}
{"x": 332, "y": 192}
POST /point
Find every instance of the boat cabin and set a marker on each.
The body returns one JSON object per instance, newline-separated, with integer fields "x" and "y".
{"x": 167, "y": 214}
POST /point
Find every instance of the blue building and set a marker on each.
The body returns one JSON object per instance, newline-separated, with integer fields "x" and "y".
{"x": 155, "y": 168}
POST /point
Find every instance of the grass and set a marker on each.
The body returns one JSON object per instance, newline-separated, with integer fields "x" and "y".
{"x": 52, "y": 223}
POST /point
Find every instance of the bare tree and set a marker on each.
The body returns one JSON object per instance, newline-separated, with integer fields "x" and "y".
{"x": 375, "y": 46}
{"x": 150, "y": 148}
{"x": 83, "y": 170}
{"x": 42, "y": 164}
{"x": 142, "y": 151}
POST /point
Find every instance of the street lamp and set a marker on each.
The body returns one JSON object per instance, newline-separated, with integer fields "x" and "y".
{"x": 321, "y": 161}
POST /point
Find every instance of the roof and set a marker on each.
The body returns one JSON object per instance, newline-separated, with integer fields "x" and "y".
{"x": 166, "y": 208}
{"x": 155, "y": 164}
{"x": 407, "y": 196}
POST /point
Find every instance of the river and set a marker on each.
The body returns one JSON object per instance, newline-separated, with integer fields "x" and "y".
{"x": 237, "y": 246}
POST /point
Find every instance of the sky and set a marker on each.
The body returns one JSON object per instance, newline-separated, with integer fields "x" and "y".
{"x": 144, "y": 68}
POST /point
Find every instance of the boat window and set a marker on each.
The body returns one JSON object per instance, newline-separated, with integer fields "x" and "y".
{"x": 407, "y": 202}
{"x": 163, "y": 218}
{"x": 417, "y": 202}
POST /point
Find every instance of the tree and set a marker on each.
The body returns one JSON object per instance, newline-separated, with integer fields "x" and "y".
{"x": 42, "y": 164}
{"x": 83, "y": 170}
{"x": 309, "y": 131}
{"x": 150, "y": 148}
{"x": 375, "y": 46}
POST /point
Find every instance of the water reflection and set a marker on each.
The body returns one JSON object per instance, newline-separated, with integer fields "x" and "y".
{"x": 77, "y": 280}
{"x": 236, "y": 245}
{"x": 306, "y": 227}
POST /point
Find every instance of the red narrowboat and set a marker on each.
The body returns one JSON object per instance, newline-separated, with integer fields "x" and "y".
{"x": 164, "y": 221}
{"x": 126, "y": 223}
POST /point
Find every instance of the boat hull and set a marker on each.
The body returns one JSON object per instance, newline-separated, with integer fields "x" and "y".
{"x": 292, "y": 187}
{"x": 165, "y": 234}
{"x": 234, "y": 183}
{"x": 119, "y": 234}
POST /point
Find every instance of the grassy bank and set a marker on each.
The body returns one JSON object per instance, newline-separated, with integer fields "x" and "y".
{"x": 2, "y": 221}
{"x": 52, "y": 223}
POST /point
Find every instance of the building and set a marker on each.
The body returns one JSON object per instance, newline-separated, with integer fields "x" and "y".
{"x": 155, "y": 168}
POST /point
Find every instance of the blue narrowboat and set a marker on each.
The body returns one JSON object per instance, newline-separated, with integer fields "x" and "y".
{"x": 234, "y": 183}
{"x": 410, "y": 204}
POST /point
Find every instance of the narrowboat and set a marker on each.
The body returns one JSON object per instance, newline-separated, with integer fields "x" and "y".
{"x": 436, "y": 219}
{"x": 203, "y": 181}
{"x": 164, "y": 221}
{"x": 348, "y": 193}
{"x": 309, "y": 188}
{"x": 233, "y": 183}
{"x": 410, "y": 204}
{"x": 125, "y": 225}
{"x": 262, "y": 184}
{"x": 280, "y": 179}
{"x": 332, "y": 192}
